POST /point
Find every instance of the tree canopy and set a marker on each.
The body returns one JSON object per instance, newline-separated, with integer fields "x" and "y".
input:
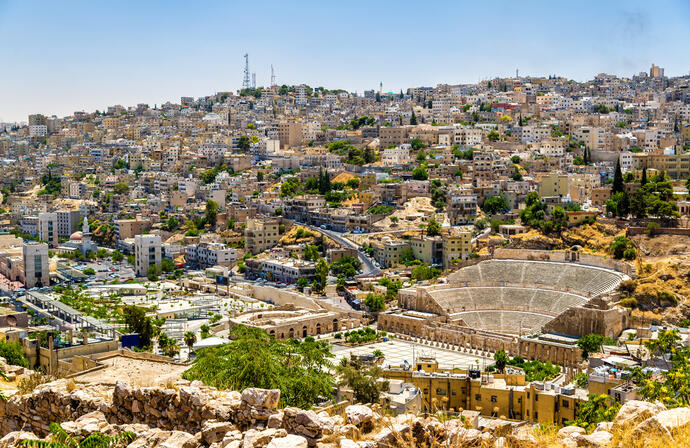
{"x": 254, "y": 359}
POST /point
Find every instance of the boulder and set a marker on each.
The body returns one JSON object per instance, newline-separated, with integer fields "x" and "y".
{"x": 522, "y": 437}
{"x": 289, "y": 441}
{"x": 664, "y": 423}
{"x": 213, "y": 431}
{"x": 261, "y": 398}
{"x": 604, "y": 426}
{"x": 635, "y": 411}
{"x": 598, "y": 439}
{"x": 12, "y": 439}
{"x": 275, "y": 420}
{"x": 393, "y": 436}
{"x": 357, "y": 414}
{"x": 569, "y": 432}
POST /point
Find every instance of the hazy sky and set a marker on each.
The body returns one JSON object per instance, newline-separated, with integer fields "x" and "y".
{"x": 60, "y": 56}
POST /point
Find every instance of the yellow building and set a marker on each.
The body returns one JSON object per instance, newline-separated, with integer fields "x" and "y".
{"x": 457, "y": 244}
{"x": 554, "y": 185}
{"x": 499, "y": 395}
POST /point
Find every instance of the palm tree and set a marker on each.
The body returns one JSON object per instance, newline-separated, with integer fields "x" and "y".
{"x": 60, "y": 439}
{"x": 189, "y": 339}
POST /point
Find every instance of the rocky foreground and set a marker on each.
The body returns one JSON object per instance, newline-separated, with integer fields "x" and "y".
{"x": 189, "y": 415}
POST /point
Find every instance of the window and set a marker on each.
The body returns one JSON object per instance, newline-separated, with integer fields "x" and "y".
{"x": 536, "y": 397}
{"x": 536, "y": 415}
{"x": 478, "y": 397}
{"x": 566, "y": 404}
{"x": 494, "y": 398}
{"x": 452, "y": 392}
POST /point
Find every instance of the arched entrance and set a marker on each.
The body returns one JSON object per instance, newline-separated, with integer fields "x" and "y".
{"x": 335, "y": 324}
{"x": 318, "y": 328}
{"x": 304, "y": 331}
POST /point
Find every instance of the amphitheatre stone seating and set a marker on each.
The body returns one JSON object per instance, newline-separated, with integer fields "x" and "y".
{"x": 587, "y": 280}
{"x": 507, "y": 298}
{"x": 505, "y": 321}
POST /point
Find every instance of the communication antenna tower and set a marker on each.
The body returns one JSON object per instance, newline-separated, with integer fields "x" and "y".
{"x": 273, "y": 76}
{"x": 245, "y": 81}
{"x": 253, "y": 80}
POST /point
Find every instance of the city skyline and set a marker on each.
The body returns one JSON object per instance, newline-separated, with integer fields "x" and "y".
{"x": 84, "y": 56}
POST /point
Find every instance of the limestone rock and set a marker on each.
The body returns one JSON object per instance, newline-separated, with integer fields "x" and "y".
{"x": 289, "y": 441}
{"x": 12, "y": 439}
{"x": 598, "y": 439}
{"x": 569, "y": 432}
{"x": 635, "y": 411}
{"x": 213, "y": 431}
{"x": 358, "y": 414}
{"x": 663, "y": 423}
{"x": 261, "y": 398}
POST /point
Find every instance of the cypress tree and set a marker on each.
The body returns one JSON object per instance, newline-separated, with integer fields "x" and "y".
{"x": 413, "y": 119}
{"x": 617, "y": 178}
{"x": 644, "y": 176}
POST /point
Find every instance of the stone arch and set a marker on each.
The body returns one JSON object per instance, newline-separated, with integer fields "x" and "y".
{"x": 304, "y": 331}
{"x": 291, "y": 333}
{"x": 335, "y": 324}
{"x": 318, "y": 328}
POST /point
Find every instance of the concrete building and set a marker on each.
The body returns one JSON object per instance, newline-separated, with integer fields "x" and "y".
{"x": 68, "y": 222}
{"x": 129, "y": 228}
{"x": 260, "y": 235}
{"x": 36, "y": 266}
{"x": 457, "y": 245}
{"x": 47, "y": 228}
{"x": 210, "y": 254}
{"x": 147, "y": 251}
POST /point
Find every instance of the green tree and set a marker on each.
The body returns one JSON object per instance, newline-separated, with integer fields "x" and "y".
{"x": 211, "y": 215}
{"x": 617, "y": 186}
{"x": 321, "y": 274}
{"x": 590, "y": 343}
{"x": 413, "y": 119}
{"x": 419, "y": 173}
{"x": 375, "y": 302}
{"x": 597, "y": 409}
{"x": 495, "y": 204}
{"x": 189, "y": 339}
{"x": 117, "y": 256}
{"x": 121, "y": 188}
{"x": 255, "y": 359}
{"x": 501, "y": 359}
{"x": 205, "y": 331}
{"x": 138, "y": 322}
{"x": 433, "y": 228}
{"x": 167, "y": 265}
{"x": 417, "y": 144}
{"x": 363, "y": 380}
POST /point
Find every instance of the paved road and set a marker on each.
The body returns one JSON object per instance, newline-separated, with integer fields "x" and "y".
{"x": 368, "y": 266}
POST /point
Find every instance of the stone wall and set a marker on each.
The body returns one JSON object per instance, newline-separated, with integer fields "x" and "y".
{"x": 580, "y": 321}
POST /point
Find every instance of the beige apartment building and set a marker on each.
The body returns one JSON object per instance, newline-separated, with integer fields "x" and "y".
{"x": 457, "y": 244}
{"x": 393, "y": 136}
{"x": 260, "y": 235}
{"x": 290, "y": 134}
{"x": 129, "y": 228}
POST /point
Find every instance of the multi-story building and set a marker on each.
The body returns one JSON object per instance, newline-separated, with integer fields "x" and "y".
{"x": 129, "y": 228}
{"x": 36, "y": 267}
{"x": 68, "y": 222}
{"x": 462, "y": 207}
{"x": 286, "y": 270}
{"x": 210, "y": 254}
{"x": 147, "y": 251}
{"x": 290, "y": 134}
{"x": 260, "y": 235}
{"x": 47, "y": 228}
{"x": 457, "y": 245}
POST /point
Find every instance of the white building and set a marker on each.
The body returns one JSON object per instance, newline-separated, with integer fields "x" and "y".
{"x": 210, "y": 254}
{"x": 47, "y": 228}
{"x": 38, "y": 130}
{"x": 36, "y": 268}
{"x": 147, "y": 251}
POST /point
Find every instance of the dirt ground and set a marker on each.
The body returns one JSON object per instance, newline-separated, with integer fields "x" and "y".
{"x": 133, "y": 371}
{"x": 662, "y": 245}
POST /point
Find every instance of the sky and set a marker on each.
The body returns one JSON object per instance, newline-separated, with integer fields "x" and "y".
{"x": 57, "y": 57}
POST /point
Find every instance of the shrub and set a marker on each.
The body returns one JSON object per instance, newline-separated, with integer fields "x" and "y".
{"x": 13, "y": 353}
{"x": 629, "y": 302}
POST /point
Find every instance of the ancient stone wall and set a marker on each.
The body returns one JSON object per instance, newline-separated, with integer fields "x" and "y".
{"x": 580, "y": 321}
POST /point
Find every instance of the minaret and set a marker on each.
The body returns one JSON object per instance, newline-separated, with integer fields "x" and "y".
{"x": 85, "y": 228}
